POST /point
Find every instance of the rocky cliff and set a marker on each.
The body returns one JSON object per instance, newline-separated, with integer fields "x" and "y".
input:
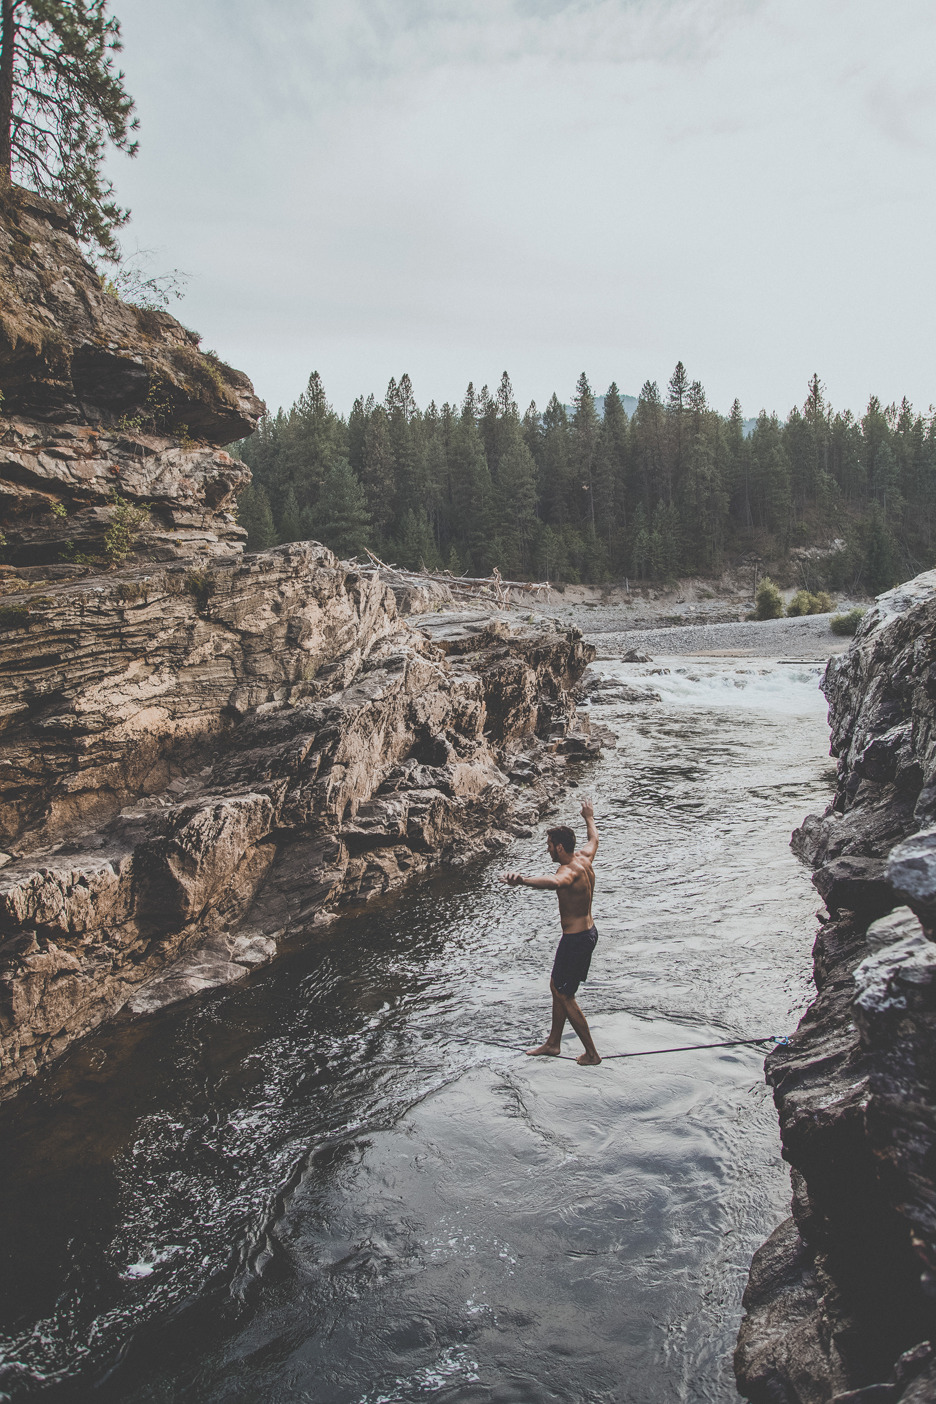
{"x": 106, "y": 403}
{"x": 204, "y": 752}
{"x": 841, "y": 1302}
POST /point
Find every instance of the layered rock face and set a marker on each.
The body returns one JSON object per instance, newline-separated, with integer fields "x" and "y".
{"x": 841, "y": 1302}
{"x": 204, "y": 752}
{"x": 105, "y": 402}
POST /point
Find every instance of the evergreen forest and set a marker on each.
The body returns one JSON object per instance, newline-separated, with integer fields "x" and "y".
{"x": 588, "y": 493}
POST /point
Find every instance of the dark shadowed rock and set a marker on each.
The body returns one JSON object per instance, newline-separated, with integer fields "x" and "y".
{"x": 854, "y": 885}
{"x": 849, "y": 1298}
{"x": 911, "y": 872}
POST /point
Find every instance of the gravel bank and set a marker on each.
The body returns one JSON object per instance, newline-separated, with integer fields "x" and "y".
{"x": 808, "y": 637}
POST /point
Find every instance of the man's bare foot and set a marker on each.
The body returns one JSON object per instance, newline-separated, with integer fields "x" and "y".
{"x": 588, "y": 1060}
{"x": 545, "y": 1050}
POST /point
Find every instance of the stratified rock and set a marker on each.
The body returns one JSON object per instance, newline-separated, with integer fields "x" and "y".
{"x": 200, "y": 761}
{"x": 105, "y": 402}
{"x": 855, "y": 1087}
{"x": 203, "y": 751}
{"x": 72, "y": 352}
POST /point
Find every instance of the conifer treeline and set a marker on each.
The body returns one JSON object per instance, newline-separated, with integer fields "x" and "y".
{"x": 578, "y": 495}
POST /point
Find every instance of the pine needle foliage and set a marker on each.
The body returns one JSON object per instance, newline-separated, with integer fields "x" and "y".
{"x": 593, "y": 491}
{"x": 61, "y": 101}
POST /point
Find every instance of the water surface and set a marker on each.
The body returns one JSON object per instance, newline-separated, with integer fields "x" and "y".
{"x": 335, "y": 1182}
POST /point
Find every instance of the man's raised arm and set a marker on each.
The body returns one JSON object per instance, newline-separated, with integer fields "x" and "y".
{"x": 588, "y": 814}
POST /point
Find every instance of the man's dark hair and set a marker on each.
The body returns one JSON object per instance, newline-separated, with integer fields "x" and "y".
{"x": 563, "y": 837}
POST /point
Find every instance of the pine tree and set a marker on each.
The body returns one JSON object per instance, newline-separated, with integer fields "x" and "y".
{"x": 647, "y": 434}
{"x": 678, "y": 388}
{"x": 555, "y": 469}
{"x": 514, "y": 492}
{"x": 406, "y": 450}
{"x": 679, "y": 393}
{"x": 880, "y": 568}
{"x": 377, "y": 472}
{"x": 415, "y": 548}
{"x": 345, "y": 523}
{"x": 611, "y": 477}
{"x": 472, "y": 491}
{"x": 254, "y": 515}
{"x": 771, "y": 496}
{"x": 312, "y": 436}
{"x": 61, "y": 102}
{"x": 358, "y": 420}
{"x": 640, "y": 543}
{"x": 883, "y": 474}
{"x": 290, "y": 525}
{"x": 737, "y": 468}
{"x": 585, "y": 426}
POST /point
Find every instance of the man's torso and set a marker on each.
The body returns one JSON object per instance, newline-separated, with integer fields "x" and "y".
{"x": 575, "y": 900}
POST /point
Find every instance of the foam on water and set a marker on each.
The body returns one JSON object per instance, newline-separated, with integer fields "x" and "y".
{"x": 758, "y": 684}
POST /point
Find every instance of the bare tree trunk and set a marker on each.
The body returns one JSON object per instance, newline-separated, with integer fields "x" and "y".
{"x": 7, "y": 41}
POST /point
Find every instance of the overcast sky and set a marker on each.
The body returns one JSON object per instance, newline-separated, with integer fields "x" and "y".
{"x": 457, "y": 187}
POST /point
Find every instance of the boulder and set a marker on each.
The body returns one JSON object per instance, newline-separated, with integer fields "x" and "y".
{"x": 911, "y": 872}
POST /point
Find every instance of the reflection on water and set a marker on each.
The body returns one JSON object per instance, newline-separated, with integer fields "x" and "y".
{"x": 332, "y": 1183}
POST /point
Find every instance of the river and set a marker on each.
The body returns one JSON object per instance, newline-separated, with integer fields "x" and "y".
{"x": 340, "y": 1181}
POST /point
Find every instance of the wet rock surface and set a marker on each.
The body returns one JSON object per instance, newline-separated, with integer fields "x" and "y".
{"x": 842, "y": 1299}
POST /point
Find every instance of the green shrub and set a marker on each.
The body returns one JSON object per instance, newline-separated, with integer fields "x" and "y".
{"x": 803, "y": 602}
{"x": 69, "y": 552}
{"x": 847, "y": 623}
{"x": 126, "y": 521}
{"x": 14, "y": 616}
{"x": 768, "y": 602}
{"x": 132, "y": 590}
{"x": 198, "y": 582}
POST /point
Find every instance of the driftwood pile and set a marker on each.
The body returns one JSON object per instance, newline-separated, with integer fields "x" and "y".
{"x": 493, "y": 586}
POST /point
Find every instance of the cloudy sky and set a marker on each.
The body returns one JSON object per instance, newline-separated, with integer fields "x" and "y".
{"x": 457, "y": 187}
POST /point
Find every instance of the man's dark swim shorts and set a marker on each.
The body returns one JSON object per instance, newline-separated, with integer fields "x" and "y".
{"x": 573, "y": 957}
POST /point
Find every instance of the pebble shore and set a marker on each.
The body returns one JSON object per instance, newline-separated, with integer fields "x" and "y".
{"x": 803, "y": 638}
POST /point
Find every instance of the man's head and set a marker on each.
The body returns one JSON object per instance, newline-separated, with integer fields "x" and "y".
{"x": 560, "y": 841}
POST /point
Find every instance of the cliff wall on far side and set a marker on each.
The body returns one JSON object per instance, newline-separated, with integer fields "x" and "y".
{"x": 841, "y": 1302}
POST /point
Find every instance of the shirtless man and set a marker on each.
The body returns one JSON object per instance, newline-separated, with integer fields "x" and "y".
{"x": 573, "y": 883}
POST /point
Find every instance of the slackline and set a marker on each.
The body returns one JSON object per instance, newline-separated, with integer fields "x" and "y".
{"x": 640, "y": 1053}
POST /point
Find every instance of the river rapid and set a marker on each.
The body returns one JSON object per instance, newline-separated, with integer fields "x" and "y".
{"x": 342, "y": 1182}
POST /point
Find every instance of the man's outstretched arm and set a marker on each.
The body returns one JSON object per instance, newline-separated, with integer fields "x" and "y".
{"x": 547, "y": 883}
{"x": 588, "y": 814}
